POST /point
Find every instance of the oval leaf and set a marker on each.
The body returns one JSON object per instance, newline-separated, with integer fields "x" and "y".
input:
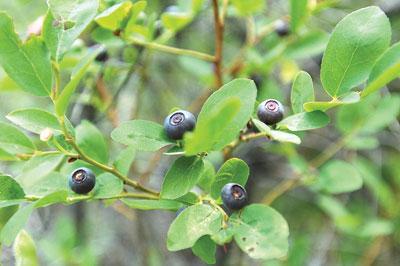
{"x": 302, "y": 91}
{"x": 34, "y": 119}
{"x": 305, "y": 121}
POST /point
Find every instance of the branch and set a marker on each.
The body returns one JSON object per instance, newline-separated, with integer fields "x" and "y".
{"x": 219, "y": 35}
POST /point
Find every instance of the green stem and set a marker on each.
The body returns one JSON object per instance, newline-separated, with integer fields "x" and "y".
{"x": 123, "y": 195}
{"x": 173, "y": 50}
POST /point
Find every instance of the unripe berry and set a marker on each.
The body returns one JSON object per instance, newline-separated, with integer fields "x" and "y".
{"x": 179, "y": 122}
{"x": 282, "y": 28}
{"x": 234, "y": 196}
{"x": 82, "y": 180}
{"x": 270, "y": 111}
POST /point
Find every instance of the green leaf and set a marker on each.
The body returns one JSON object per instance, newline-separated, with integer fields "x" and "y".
{"x": 352, "y": 97}
{"x": 76, "y": 76}
{"x": 232, "y": 171}
{"x": 113, "y": 17}
{"x": 386, "y": 69}
{"x": 362, "y": 143}
{"x": 205, "y": 249}
{"x": 248, "y": 7}
{"x": 298, "y": 13}
{"x": 25, "y": 250}
{"x": 27, "y": 64}
{"x": 12, "y": 140}
{"x": 5, "y": 156}
{"x": 207, "y": 177}
{"x": 15, "y": 224}
{"x": 302, "y": 91}
{"x": 276, "y": 134}
{"x": 34, "y": 120}
{"x": 8, "y": 203}
{"x": 162, "y": 204}
{"x": 125, "y": 159}
{"x": 10, "y": 189}
{"x": 338, "y": 177}
{"x": 142, "y": 135}
{"x": 41, "y": 185}
{"x": 193, "y": 222}
{"x": 65, "y": 21}
{"x": 181, "y": 177}
{"x": 261, "y": 232}
{"x": 52, "y": 198}
{"x": 243, "y": 90}
{"x": 355, "y": 44}
{"x": 209, "y": 131}
{"x": 174, "y": 21}
{"x": 305, "y": 121}
{"x": 107, "y": 186}
{"x": 137, "y": 7}
{"x": 91, "y": 141}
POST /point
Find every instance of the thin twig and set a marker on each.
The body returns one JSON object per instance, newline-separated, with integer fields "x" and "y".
{"x": 219, "y": 35}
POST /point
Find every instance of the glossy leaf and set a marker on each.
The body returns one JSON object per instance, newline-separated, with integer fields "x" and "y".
{"x": 27, "y": 64}
{"x": 107, "y": 186}
{"x": 232, "y": 171}
{"x": 207, "y": 177}
{"x": 261, "y": 232}
{"x": 10, "y": 189}
{"x": 305, "y": 121}
{"x": 355, "y": 44}
{"x": 142, "y": 135}
{"x": 193, "y": 222}
{"x": 124, "y": 160}
{"x": 302, "y": 91}
{"x": 181, "y": 177}
{"x": 34, "y": 120}
{"x": 12, "y": 140}
{"x": 52, "y": 198}
{"x": 65, "y": 21}
{"x": 276, "y": 135}
{"x": 205, "y": 249}
{"x": 113, "y": 17}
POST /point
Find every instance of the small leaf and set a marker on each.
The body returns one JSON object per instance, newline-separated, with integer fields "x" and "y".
{"x": 15, "y": 224}
{"x": 125, "y": 159}
{"x": 137, "y": 7}
{"x": 113, "y": 17}
{"x": 261, "y": 232}
{"x": 65, "y": 21}
{"x": 182, "y": 177}
{"x": 107, "y": 186}
{"x": 41, "y": 185}
{"x": 162, "y": 204}
{"x": 207, "y": 177}
{"x": 142, "y": 135}
{"x": 305, "y": 121}
{"x": 174, "y": 21}
{"x": 222, "y": 117}
{"x": 356, "y": 42}
{"x": 25, "y": 250}
{"x": 91, "y": 141}
{"x": 232, "y": 171}
{"x": 298, "y": 13}
{"x": 302, "y": 91}
{"x": 386, "y": 69}
{"x": 339, "y": 177}
{"x": 12, "y": 140}
{"x": 276, "y": 134}
{"x": 205, "y": 249}
{"x": 52, "y": 198}
{"x": 27, "y": 64}
{"x": 76, "y": 76}
{"x": 193, "y": 222}
{"x": 352, "y": 97}
{"x": 34, "y": 120}
{"x": 248, "y": 7}
{"x": 10, "y": 189}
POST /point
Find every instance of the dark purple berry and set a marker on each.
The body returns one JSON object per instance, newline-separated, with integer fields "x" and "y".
{"x": 82, "y": 180}
{"x": 282, "y": 28}
{"x": 270, "y": 111}
{"x": 234, "y": 196}
{"x": 179, "y": 122}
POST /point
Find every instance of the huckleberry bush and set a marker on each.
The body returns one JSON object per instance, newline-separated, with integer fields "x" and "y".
{"x": 86, "y": 65}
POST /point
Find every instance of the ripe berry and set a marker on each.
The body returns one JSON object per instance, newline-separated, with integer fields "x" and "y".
{"x": 282, "y": 28}
{"x": 270, "y": 111}
{"x": 177, "y": 123}
{"x": 234, "y": 196}
{"x": 82, "y": 180}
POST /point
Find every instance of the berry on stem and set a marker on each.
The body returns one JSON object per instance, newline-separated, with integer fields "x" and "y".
{"x": 234, "y": 196}
{"x": 270, "y": 111}
{"x": 82, "y": 180}
{"x": 282, "y": 28}
{"x": 179, "y": 122}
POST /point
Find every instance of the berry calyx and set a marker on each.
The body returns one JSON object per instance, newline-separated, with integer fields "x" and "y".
{"x": 270, "y": 111}
{"x": 178, "y": 123}
{"x": 234, "y": 196}
{"x": 82, "y": 180}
